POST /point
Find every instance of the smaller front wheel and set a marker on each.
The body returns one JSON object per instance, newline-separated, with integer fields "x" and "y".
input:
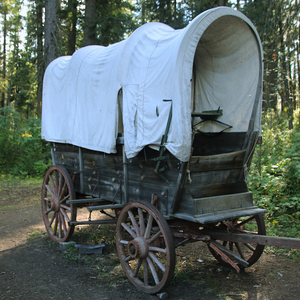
{"x": 57, "y": 214}
{"x": 145, "y": 247}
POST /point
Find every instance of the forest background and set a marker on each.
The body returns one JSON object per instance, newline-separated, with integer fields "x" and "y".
{"x": 52, "y": 28}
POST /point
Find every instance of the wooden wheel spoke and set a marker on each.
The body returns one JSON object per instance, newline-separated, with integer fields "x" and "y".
{"x": 141, "y": 221}
{"x": 52, "y": 219}
{"x": 249, "y": 247}
{"x": 55, "y": 224}
{"x": 138, "y": 266}
{"x": 244, "y": 222}
{"x": 49, "y": 190}
{"x": 65, "y": 207}
{"x": 238, "y": 247}
{"x": 153, "y": 271}
{"x": 56, "y": 182}
{"x": 65, "y": 215}
{"x": 128, "y": 230}
{"x": 124, "y": 242}
{"x": 65, "y": 198}
{"x": 52, "y": 185}
{"x": 63, "y": 190}
{"x": 154, "y": 237}
{"x": 63, "y": 223}
{"x": 156, "y": 249}
{"x": 148, "y": 228}
{"x": 48, "y": 211}
{"x": 145, "y": 266}
{"x": 59, "y": 227}
{"x": 157, "y": 261}
{"x": 60, "y": 181}
{"x": 128, "y": 258}
{"x": 134, "y": 223}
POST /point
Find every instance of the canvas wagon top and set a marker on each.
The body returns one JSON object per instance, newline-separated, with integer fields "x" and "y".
{"x": 98, "y": 92}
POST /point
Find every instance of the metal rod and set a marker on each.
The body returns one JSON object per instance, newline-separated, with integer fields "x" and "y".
{"x": 81, "y": 168}
{"x": 52, "y": 154}
{"x": 125, "y": 175}
{"x": 164, "y": 137}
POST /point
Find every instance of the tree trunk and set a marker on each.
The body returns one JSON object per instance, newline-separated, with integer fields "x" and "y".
{"x": 51, "y": 31}
{"x": 298, "y": 54}
{"x": 72, "y": 7}
{"x": 270, "y": 82}
{"x": 90, "y": 22}
{"x": 4, "y": 55}
{"x": 40, "y": 55}
{"x": 286, "y": 101}
{"x": 162, "y": 11}
{"x": 15, "y": 50}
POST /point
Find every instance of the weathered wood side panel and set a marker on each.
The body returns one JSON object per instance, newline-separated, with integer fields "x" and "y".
{"x": 210, "y": 178}
{"x": 103, "y": 174}
{"x": 222, "y": 203}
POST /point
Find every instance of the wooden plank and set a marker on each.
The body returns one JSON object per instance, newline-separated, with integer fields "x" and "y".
{"x": 221, "y": 216}
{"x": 211, "y": 190}
{"x": 223, "y": 161}
{"x": 59, "y": 147}
{"x": 212, "y": 177}
{"x": 67, "y": 159}
{"x": 222, "y": 203}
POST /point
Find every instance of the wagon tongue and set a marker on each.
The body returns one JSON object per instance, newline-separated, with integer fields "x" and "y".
{"x": 228, "y": 255}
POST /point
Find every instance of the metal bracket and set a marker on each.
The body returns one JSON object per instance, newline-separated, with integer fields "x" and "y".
{"x": 164, "y": 137}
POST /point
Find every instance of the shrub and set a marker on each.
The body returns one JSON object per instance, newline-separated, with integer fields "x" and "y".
{"x": 22, "y": 151}
{"x": 274, "y": 177}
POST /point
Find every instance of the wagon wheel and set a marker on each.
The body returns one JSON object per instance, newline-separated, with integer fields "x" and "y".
{"x": 249, "y": 252}
{"x": 57, "y": 214}
{"x": 145, "y": 247}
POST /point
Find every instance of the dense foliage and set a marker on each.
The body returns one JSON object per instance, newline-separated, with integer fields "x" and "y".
{"x": 274, "y": 177}
{"x": 22, "y": 151}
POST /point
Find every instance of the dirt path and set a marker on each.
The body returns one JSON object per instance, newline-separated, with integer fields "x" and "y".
{"x": 33, "y": 267}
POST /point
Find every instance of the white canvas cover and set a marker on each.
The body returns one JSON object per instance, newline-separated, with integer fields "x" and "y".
{"x": 216, "y": 61}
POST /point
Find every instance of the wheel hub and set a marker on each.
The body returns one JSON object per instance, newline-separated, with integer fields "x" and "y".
{"x": 230, "y": 226}
{"x": 138, "y": 248}
{"x": 54, "y": 204}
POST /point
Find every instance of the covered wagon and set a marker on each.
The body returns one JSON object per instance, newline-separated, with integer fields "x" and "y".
{"x": 159, "y": 128}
